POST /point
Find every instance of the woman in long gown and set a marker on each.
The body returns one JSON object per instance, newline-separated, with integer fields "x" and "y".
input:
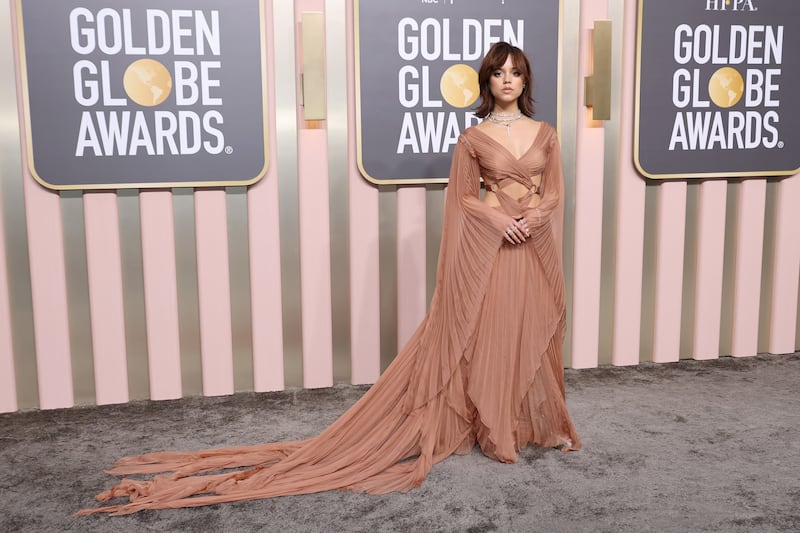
{"x": 484, "y": 366}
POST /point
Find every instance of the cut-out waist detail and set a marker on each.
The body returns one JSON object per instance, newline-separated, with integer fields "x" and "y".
{"x": 512, "y": 206}
{"x": 495, "y": 187}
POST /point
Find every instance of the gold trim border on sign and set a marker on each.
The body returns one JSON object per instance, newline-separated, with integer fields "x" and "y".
{"x": 142, "y": 185}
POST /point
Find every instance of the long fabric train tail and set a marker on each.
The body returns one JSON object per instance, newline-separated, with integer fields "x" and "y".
{"x": 433, "y": 400}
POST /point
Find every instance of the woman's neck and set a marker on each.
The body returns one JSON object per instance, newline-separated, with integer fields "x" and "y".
{"x": 505, "y": 110}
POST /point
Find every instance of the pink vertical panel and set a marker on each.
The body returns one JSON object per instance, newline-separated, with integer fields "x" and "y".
{"x": 315, "y": 258}
{"x": 365, "y": 328}
{"x": 710, "y": 263}
{"x": 213, "y": 280}
{"x": 630, "y": 215}
{"x": 412, "y": 299}
{"x": 106, "y": 309}
{"x": 669, "y": 271}
{"x": 265, "y": 283}
{"x": 160, "y": 294}
{"x": 786, "y": 267}
{"x": 588, "y": 208}
{"x": 364, "y": 281}
{"x": 49, "y": 295}
{"x": 48, "y": 275}
{"x": 748, "y": 258}
{"x": 8, "y": 386}
{"x": 265, "y": 256}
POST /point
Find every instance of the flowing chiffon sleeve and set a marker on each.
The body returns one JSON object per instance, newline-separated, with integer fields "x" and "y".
{"x": 472, "y": 233}
{"x": 550, "y": 210}
{"x": 547, "y": 224}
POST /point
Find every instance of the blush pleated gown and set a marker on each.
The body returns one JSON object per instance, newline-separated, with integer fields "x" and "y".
{"x": 484, "y": 366}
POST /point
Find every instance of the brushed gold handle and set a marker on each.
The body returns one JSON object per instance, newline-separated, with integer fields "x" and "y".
{"x": 597, "y": 87}
{"x": 313, "y": 76}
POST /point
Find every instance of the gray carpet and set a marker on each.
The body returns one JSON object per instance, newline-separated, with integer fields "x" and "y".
{"x": 690, "y": 446}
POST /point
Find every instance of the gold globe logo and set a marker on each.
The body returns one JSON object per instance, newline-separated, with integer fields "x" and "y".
{"x": 459, "y": 85}
{"x": 726, "y": 87}
{"x": 147, "y": 82}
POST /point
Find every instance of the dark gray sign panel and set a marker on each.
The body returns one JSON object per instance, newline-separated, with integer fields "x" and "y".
{"x": 716, "y": 86}
{"x": 417, "y": 79}
{"x": 123, "y": 93}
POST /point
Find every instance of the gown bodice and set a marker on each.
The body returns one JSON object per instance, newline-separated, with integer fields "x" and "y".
{"x": 499, "y": 167}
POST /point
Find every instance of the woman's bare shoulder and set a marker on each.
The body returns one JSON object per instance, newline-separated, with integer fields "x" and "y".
{"x": 470, "y": 131}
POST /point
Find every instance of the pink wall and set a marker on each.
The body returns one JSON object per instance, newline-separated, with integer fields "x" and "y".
{"x": 588, "y": 208}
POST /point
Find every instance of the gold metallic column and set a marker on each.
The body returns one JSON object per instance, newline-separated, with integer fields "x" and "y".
{"x": 569, "y": 34}
{"x": 16, "y": 237}
{"x": 338, "y": 174}
{"x": 286, "y": 161}
{"x": 186, "y": 284}
{"x": 239, "y": 274}
{"x": 387, "y": 261}
{"x": 130, "y": 245}
{"x": 611, "y": 155}
{"x": 77, "y": 274}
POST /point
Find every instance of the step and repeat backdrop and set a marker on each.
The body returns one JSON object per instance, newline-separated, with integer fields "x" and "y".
{"x": 716, "y": 88}
{"x": 171, "y": 225}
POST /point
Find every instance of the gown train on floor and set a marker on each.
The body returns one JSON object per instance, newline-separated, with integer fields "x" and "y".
{"x": 484, "y": 366}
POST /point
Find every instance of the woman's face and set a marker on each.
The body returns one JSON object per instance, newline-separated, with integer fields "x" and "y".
{"x": 506, "y": 83}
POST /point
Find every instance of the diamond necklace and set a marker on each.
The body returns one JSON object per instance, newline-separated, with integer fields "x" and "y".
{"x": 504, "y": 119}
